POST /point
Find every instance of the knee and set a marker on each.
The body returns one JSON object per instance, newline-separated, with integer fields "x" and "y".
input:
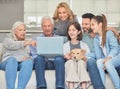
{"x": 12, "y": 60}
{"x": 108, "y": 64}
{"x": 28, "y": 63}
{"x": 39, "y": 59}
{"x": 91, "y": 62}
{"x": 81, "y": 62}
{"x": 99, "y": 63}
{"x": 59, "y": 59}
{"x": 69, "y": 63}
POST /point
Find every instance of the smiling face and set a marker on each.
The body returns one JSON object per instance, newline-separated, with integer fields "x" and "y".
{"x": 62, "y": 13}
{"x": 95, "y": 26}
{"x": 20, "y": 32}
{"x": 86, "y": 24}
{"x": 73, "y": 32}
{"x": 47, "y": 27}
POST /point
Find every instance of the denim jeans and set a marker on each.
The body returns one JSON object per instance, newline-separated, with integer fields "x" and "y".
{"x": 41, "y": 64}
{"x": 94, "y": 74}
{"x": 110, "y": 67}
{"x": 118, "y": 70}
{"x": 10, "y": 66}
{"x": 118, "y": 65}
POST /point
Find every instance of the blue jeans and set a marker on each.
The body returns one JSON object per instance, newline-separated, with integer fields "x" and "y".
{"x": 94, "y": 74}
{"x": 118, "y": 70}
{"x": 11, "y": 66}
{"x": 41, "y": 64}
{"x": 110, "y": 67}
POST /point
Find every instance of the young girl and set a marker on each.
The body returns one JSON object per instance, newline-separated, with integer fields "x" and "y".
{"x": 75, "y": 75}
{"x": 106, "y": 50}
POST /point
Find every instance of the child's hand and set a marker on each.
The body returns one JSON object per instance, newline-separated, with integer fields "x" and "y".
{"x": 67, "y": 56}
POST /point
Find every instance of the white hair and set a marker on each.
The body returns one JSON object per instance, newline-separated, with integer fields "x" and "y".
{"x": 47, "y": 18}
{"x": 15, "y": 25}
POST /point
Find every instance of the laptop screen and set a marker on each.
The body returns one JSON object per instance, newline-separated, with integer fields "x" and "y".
{"x": 50, "y": 46}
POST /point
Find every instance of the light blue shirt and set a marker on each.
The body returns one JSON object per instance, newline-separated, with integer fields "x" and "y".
{"x": 111, "y": 45}
{"x": 89, "y": 41}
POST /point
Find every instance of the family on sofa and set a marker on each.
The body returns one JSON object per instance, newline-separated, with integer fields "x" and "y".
{"x": 101, "y": 46}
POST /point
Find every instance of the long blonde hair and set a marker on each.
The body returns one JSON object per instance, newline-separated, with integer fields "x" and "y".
{"x": 66, "y": 6}
{"x": 102, "y": 19}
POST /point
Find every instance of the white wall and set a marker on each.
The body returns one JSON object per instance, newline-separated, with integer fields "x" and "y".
{"x": 110, "y": 8}
{"x": 10, "y": 11}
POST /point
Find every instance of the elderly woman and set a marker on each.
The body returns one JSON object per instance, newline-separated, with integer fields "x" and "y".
{"x": 16, "y": 57}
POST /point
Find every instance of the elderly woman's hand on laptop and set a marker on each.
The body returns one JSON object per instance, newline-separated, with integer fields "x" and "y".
{"x": 31, "y": 42}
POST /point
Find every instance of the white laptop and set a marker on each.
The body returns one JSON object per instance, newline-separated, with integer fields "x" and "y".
{"x": 50, "y": 46}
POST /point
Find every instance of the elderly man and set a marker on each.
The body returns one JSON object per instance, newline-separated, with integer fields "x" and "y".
{"x": 41, "y": 64}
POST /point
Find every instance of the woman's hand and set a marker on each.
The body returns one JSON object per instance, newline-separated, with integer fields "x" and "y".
{"x": 105, "y": 60}
{"x": 24, "y": 58}
{"x": 26, "y": 43}
{"x": 31, "y": 42}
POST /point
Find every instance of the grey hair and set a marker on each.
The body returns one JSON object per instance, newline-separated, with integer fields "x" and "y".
{"x": 47, "y": 18}
{"x": 15, "y": 25}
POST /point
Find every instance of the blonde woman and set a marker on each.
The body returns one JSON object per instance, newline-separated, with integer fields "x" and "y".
{"x": 63, "y": 15}
{"x": 16, "y": 57}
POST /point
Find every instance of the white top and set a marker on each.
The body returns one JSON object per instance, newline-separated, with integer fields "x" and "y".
{"x": 66, "y": 47}
{"x": 103, "y": 48}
